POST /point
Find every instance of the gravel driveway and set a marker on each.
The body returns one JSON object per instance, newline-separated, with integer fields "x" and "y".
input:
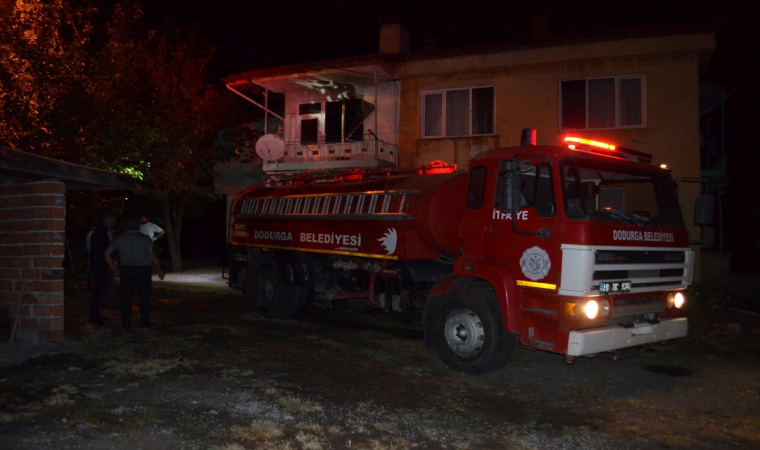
{"x": 213, "y": 374}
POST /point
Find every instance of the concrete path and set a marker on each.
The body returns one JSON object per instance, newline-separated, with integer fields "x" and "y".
{"x": 205, "y": 279}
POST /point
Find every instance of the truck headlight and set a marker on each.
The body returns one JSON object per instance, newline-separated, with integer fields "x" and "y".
{"x": 591, "y": 309}
{"x": 676, "y": 300}
{"x": 604, "y": 308}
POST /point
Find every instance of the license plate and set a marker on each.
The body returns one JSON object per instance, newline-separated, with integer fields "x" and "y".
{"x": 647, "y": 329}
{"x": 614, "y": 287}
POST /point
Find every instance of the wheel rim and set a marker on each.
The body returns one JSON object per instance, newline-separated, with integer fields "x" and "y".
{"x": 464, "y": 332}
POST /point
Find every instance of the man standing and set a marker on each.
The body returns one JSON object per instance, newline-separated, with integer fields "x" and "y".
{"x": 99, "y": 240}
{"x": 150, "y": 229}
{"x": 135, "y": 251}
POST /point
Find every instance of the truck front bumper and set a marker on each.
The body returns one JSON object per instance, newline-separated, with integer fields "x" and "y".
{"x": 614, "y": 337}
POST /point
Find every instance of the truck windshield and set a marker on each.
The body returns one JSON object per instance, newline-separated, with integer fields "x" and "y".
{"x": 605, "y": 190}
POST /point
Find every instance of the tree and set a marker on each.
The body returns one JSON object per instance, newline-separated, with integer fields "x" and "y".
{"x": 139, "y": 102}
{"x": 158, "y": 116}
{"x": 43, "y": 59}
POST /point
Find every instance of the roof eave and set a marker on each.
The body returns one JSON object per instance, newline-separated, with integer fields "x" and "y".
{"x": 19, "y": 166}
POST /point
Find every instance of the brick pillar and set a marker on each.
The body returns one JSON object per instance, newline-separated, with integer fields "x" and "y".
{"x": 32, "y": 234}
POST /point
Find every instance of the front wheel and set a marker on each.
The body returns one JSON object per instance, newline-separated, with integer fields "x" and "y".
{"x": 468, "y": 334}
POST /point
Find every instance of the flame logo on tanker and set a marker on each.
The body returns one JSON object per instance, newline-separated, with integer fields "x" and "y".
{"x": 389, "y": 240}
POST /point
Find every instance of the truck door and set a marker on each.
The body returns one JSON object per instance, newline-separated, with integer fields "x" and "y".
{"x": 474, "y": 223}
{"x": 530, "y": 244}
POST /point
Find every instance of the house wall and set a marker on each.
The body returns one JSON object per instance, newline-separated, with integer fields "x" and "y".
{"x": 527, "y": 96}
{"x": 32, "y": 233}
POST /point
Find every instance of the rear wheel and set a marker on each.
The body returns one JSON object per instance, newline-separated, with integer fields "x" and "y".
{"x": 279, "y": 296}
{"x": 269, "y": 291}
{"x": 468, "y": 334}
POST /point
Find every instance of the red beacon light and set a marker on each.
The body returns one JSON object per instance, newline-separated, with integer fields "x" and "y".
{"x": 351, "y": 175}
{"x": 299, "y": 180}
{"x": 437, "y": 167}
{"x": 588, "y": 145}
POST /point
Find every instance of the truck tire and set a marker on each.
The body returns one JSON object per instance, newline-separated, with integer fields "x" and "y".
{"x": 279, "y": 299}
{"x": 269, "y": 291}
{"x": 468, "y": 332}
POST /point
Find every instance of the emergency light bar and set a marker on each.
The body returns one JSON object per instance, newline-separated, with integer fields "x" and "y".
{"x": 588, "y": 145}
{"x": 588, "y": 142}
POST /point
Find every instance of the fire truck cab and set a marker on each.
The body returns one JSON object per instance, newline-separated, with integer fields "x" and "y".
{"x": 574, "y": 249}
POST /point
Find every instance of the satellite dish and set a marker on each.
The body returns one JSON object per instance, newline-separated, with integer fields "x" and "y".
{"x": 270, "y": 147}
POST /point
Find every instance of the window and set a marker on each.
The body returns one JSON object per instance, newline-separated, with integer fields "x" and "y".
{"x": 458, "y": 112}
{"x": 612, "y": 102}
{"x": 309, "y": 131}
{"x": 536, "y": 188}
{"x": 477, "y": 191}
{"x": 610, "y": 191}
{"x": 334, "y": 121}
{"x": 543, "y": 195}
{"x": 344, "y": 120}
{"x": 310, "y": 108}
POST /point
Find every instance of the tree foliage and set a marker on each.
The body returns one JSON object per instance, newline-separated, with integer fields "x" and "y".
{"x": 43, "y": 66}
{"x": 137, "y": 101}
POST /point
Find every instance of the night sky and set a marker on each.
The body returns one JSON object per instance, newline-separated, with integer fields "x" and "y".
{"x": 250, "y": 35}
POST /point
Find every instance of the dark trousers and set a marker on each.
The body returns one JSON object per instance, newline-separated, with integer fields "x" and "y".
{"x": 135, "y": 277}
{"x": 99, "y": 277}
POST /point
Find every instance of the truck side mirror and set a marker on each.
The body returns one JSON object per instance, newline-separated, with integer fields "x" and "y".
{"x": 511, "y": 198}
{"x": 704, "y": 209}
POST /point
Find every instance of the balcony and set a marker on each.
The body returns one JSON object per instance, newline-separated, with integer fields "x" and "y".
{"x": 368, "y": 154}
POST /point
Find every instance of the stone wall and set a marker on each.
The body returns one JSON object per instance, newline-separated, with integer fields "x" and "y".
{"x": 32, "y": 234}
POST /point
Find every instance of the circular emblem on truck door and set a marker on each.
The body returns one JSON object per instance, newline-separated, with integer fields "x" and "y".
{"x": 535, "y": 263}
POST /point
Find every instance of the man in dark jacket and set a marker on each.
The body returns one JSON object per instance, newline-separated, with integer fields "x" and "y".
{"x": 135, "y": 255}
{"x": 100, "y": 239}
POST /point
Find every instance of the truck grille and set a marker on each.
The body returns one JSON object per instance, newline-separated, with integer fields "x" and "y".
{"x": 605, "y": 256}
{"x": 637, "y": 306}
{"x": 611, "y": 275}
{"x": 648, "y": 269}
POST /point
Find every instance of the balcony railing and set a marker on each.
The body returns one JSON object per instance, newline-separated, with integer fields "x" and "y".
{"x": 366, "y": 154}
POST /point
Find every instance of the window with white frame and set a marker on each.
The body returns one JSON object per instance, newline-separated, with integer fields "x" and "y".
{"x": 458, "y": 112}
{"x": 609, "y": 102}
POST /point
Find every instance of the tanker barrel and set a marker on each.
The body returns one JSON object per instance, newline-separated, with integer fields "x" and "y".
{"x": 438, "y": 210}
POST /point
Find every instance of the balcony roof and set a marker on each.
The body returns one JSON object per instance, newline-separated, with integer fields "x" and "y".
{"x": 316, "y": 78}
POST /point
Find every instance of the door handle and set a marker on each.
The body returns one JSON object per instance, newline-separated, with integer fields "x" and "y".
{"x": 492, "y": 229}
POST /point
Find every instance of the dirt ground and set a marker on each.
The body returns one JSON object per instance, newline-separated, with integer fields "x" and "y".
{"x": 213, "y": 374}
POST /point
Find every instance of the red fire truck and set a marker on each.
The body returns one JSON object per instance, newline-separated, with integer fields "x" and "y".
{"x": 574, "y": 249}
